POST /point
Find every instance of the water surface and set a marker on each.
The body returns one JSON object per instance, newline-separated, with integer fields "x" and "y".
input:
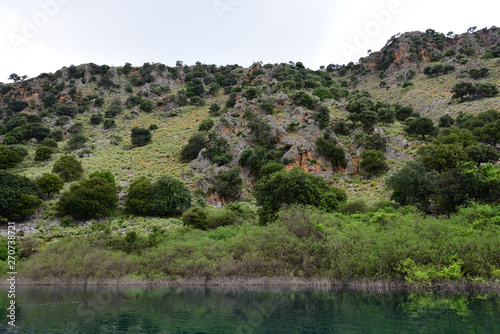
{"x": 245, "y": 310}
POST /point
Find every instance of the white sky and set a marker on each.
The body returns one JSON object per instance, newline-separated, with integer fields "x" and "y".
{"x": 44, "y": 35}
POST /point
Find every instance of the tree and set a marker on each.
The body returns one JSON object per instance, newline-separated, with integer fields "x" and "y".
{"x": 43, "y": 153}
{"x": 76, "y": 141}
{"x": 482, "y": 153}
{"x": 329, "y": 150}
{"x": 108, "y": 123}
{"x": 153, "y": 127}
{"x": 294, "y": 187}
{"x": 170, "y": 196}
{"x": 368, "y": 119}
{"x": 195, "y": 144}
{"x": 50, "y": 184}
{"x": 146, "y": 105}
{"x": 68, "y": 168}
{"x": 140, "y": 197}
{"x": 19, "y": 196}
{"x": 373, "y": 162}
{"x": 9, "y": 158}
{"x": 196, "y": 217}
{"x": 440, "y": 157}
{"x": 96, "y": 119}
{"x": 140, "y": 136}
{"x": 206, "y": 125}
{"x": 421, "y": 126}
{"x": 446, "y": 121}
{"x": 387, "y": 115}
{"x": 90, "y": 198}
{"x": 214, "y": 109}
{"x": 413, "y": 185}
{"x": 322, "y": 116}
{"x": 227, "y": 183}
{"x": 114, "y": 109}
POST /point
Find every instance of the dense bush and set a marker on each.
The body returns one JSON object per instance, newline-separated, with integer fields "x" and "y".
{"x": 19, "y": 196}
{"x": 50, "y": 184}
{"x": 90, "y": 198}
{"x": 227, "y": 183}
{"x": 140, "y": 136}
{"x": 170, "y": 196}
{"x": 76, "y": 141}
{"x": 43, "y": 153}
{"x": 140, "y": 197}
{"x": 68, "y": 168}
{"x": 195, "y": 144}
{"x": 9, "y": 158}
{"x": 329, "y": 150}
{"x": 146, "y": 105}
{"x": 373, "y": 162}
{"x": 114, "y": 109}
{"x": 294, "y": 187}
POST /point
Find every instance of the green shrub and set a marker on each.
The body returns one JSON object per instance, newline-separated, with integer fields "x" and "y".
{"x": 206, "y": 125}
{"x": 76, "y": 141}
{"x": 68, "y": 168}
{"x": 43, "y": 153}
{"x": 114, "y": 109}
{"x": 170, "y": 196}
{"x": 140, "y": 136}
{"x": 195, "y": 144}
{"x": 19, "y": 196}
{"x": 50, "y": 183}
{"x": 373, "y": 162}
{"x": 227, "y": 183}
{"x": 140, "y": 197}
{"x": 109, "y": 123}
{"x": 91, "y": 198}
{"x": 196, "y": 217}
{"x": 146, "y": 105}
{"x": 9, "y": 158}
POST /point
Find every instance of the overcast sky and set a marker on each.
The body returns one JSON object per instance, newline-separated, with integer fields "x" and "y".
{"x": 44, "y": 35}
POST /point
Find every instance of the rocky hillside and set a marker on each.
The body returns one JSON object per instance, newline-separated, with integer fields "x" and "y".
{"x": 318, "y": 120}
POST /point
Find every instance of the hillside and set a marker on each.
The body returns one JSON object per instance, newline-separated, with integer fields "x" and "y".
{"x": 274, "y": 106}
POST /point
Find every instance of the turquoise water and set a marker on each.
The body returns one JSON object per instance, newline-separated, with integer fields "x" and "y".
{"x": 245, "y": 310}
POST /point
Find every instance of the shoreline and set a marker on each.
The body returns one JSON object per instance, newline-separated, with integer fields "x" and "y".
{"x": 389, "y": 285}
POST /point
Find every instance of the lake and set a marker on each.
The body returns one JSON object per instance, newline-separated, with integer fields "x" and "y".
{"x": 113, "y": 309}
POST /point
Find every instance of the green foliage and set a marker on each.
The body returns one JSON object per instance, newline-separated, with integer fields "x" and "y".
{"x": 196, "y": 217}
{"x": 270, "y": 168}
{"x": 407, "y": 84}
{"x": 440, "y": 157}
{"x": 206, "y": 125}
{"x": 413, "y": 185}
{"x": 373, "y": 162}
{"x": 468, "y": 90}
{"x": 214, "y": 110}
{"x": 386, "y": 115}
{"x": 114, "y": 109}
{"x": 329, "y": 150}
{"x": 217, "y": 151}
{"x": 227, "y": 183}
{"x": 57, "y": 134}
{"x": 195, "y": 144}
{"x": 43, "y": 153}
{"x": 153, "y": 127}
{"x": 146, "y": 105}
{"x": 478, "y": 73}
{"x": 96, "y": 119}
{"x": 267, "y": 105}
{"x": 421, "y": 126}
{"x": 294, "y": 187}
{"x": 19, "y": 196}
{"x": 368, "y": 119}
{"x": 454, "y": 135}
{"x": 140, "y": 197}
{"x": 481, "y": 153}
{"x": 76, "y": 141}
{"x": 104, "y": 175}
{"x": 90, "y": 198}
{"x": 170, "y": 197}
{"x": 322, "y": 116}
{"x": 9, "y": 158}
{"x": 438, "y": 69}
{"x": 68, "y": 168}
{"x": 446, "y": 121}
{"x": 302, "y": 98}
{"x": 140, "y": 136}
{"x": 109, "y": 123}
{"x": 50, "y": 184}
{"x": 323, "y": 93}
{"x": 375, "y": 142}
{"x": 251, "y": 93}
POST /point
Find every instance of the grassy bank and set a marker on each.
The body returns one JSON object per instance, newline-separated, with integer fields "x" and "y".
{"x": 303, "y": 243}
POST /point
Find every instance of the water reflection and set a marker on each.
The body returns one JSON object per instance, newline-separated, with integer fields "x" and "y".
{"x": 115, "y": 309}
